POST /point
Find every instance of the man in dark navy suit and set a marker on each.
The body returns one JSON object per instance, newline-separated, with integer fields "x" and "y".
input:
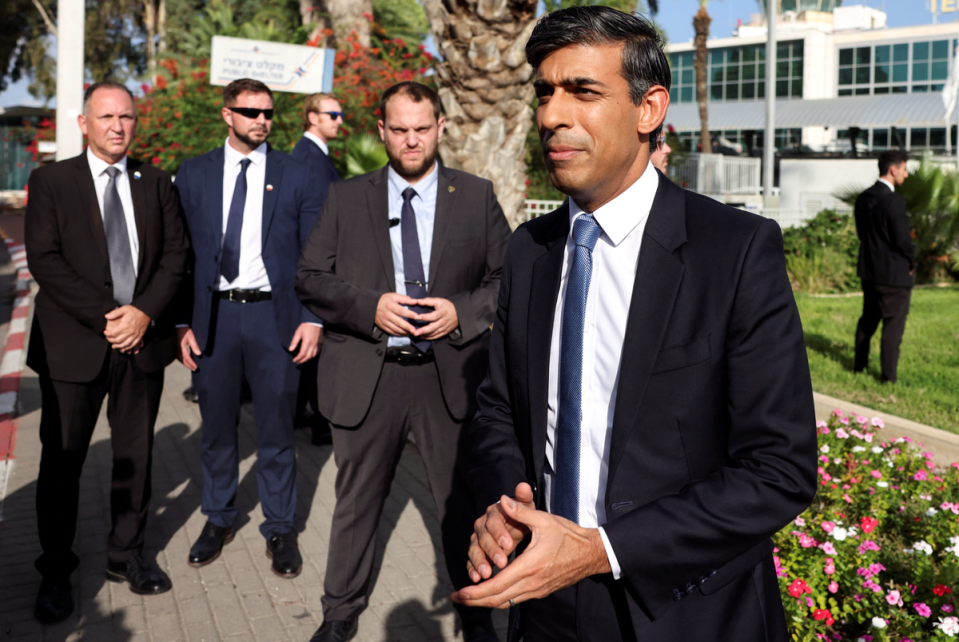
{"x": 248, "y": 208}
{"x": 322, "y": 117}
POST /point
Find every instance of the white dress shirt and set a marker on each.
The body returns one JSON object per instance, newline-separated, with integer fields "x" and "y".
{"x": 424, "y": 206}
{"x": 887, "y": 184}
{"x": 253, "y": 274}
{"x": 615, "y": 259}
{"x": 98, "y": 167}
{"x": 319, "y": 142}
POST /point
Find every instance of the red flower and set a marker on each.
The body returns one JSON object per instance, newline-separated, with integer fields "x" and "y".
{"x": 798, "y": 587}
{"x": 823, "y": 614}
{"x": 941, "y": 589}
{"x": 155, "y": 160}
{"x": 869, "y": 524}
{"x": 160, "y": 82}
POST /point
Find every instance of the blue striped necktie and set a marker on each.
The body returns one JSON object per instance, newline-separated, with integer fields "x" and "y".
{"x": 586, "y": 231}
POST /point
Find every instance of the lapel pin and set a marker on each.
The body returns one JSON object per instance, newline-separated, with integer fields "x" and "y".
{"x": 451, "y": 188}
{"x": 269, "y": 188}
{"x": 136, "y": 175}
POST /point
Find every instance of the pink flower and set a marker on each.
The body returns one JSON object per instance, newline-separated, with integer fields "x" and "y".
{"x": 821, "y": 424}
{"x": 833, "y": 587}
{"x": 828, "y": 548}
{"x": 868, "y": 437}
{"x": 947, "y": 608}
{"x": 806, "y": 541}
{"x": 844, "y": 421}
{"x": 809, "y": 602}
{"x": 923, "y": 610}
{"x": 920, "y": 475}
{"x": 830, "y": 566}
{"x": 846, "y": 497}
{"x": 861, "y": 420}
{"x": 828, "y": 526}
{"x": 876, "y": 474}
{"x": 868, "y": 545}
{"x": 842, "y": 434}
{"x": 800, "y": 521}
{"x": 872, "y": 586}
{"x": 894, "y": 598}
{"x": 877, "y": 422}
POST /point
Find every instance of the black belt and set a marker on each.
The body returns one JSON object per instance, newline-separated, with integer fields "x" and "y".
{"x": 245, "y": 296}
{"x": 409, "y": 356}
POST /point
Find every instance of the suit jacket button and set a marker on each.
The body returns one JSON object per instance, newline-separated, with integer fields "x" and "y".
{"x": 379, "y": 352}
{"x": 216, "y": 257}
{"x": 209, "y": 289}
{"x": 106, "y": 284}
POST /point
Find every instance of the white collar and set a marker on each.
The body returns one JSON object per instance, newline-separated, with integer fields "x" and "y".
{"x": 887, "y": 184}
{"x": 319, "y": 142}
{"x": 233, "y": 157}
{"x": 622, "y": 214}
{"x": 98, "y": 165}
{"x": 421, "y": 187}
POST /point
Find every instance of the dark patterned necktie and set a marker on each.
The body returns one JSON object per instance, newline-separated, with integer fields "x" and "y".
{"x": 230, "y": 264}
{"x": 413, "y": 262}
{"x": 586, "y": 231}
{"x": 118, "y": 242}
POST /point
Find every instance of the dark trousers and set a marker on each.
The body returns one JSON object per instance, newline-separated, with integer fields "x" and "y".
{"x": 68, "y": 416}
{"x": 891, "y": 306}
{"x": 407, "y": 398}
{"x": 245, "y": 341}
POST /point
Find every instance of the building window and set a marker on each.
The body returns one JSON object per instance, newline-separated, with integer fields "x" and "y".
{"x": 683, "y": 86}
{"x": 893, "y": 68}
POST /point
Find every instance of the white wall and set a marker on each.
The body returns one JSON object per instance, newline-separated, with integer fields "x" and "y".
{"x": 802, "y": 180}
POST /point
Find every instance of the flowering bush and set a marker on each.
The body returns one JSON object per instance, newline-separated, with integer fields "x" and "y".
{"x": 876, "y": 557}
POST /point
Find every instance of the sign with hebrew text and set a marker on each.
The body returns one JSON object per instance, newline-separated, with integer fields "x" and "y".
{"x": 279, "y": 66}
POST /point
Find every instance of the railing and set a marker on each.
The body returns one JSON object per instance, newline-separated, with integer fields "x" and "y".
{"x": 794, "y": 218}
{"x": 533, "y": 208}
{"x": 718, "y": 174}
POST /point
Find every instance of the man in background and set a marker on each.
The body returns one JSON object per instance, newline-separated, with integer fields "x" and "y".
{"x": 660, "y": 156}
{"x": 404, "y": 267}
{"x": 887, "y": 263}
{"x": 105, "y": 242}
{"x": 248, "y": 208}
{"x": 322, "y": 117}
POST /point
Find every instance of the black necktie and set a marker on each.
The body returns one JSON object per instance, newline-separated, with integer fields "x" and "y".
{"x": 413, "y": 262}
{"x": 230, "y": 265}
{"x": 118, "y": 242}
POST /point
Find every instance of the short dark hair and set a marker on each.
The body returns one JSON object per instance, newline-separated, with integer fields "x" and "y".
{"x": 891, "y": 158}
{"x": 232, "y": 91}
{"x": 105, "y": 84}
{"x": 644, "y": 63}
{"x": 416, "y": 92}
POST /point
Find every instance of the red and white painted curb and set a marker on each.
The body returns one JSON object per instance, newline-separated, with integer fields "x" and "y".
{"x": 11, "y": 365}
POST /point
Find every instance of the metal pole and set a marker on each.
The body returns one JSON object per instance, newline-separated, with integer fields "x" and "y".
{"x": 769, "y": 144}
{"x": 70, "y": 21}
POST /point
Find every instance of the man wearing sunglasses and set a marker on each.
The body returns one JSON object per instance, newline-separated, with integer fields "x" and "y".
{"x": 248, "y": 208}
{"x": 322, "y": 117}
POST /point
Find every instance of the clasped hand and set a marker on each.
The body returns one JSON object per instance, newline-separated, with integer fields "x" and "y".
{"x": 126, "y": 326}
{"x": 559, "y": 554}
{"x": 392, "y": 315}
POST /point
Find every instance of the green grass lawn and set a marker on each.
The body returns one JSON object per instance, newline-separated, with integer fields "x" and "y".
{"x": 928, "y": 386}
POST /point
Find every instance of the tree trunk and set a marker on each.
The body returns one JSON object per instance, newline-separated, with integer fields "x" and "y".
{"x": 342, "y": 17}
{"x": 161, "y": 27}
{"x": 483, "y": 82}
{"x": 150, "y": 22}
{"x": 701, "y": 26}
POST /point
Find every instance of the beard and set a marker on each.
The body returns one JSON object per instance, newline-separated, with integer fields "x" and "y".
{"x": 416, "y": 171}
{"x": 248, "y": 140}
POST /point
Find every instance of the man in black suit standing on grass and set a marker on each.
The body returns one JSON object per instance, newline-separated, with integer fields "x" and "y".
{"x": 887, "y": 263}
{"x": 106, "y": 243}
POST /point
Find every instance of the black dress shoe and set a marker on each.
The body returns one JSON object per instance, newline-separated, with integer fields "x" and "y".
{"x": 209, "y": 544}
{"x": 336, "y": 631}
{"x": 479, "y": 630}
{"x": 54, "y": 601}
{"x": 143, "y": 578}
{"x": 282, "y": 549}
{"x": 190, "y": 395}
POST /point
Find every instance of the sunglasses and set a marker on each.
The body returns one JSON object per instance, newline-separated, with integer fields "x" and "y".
{"x": 250, "y": 112}
{"x": 335, "y": 115}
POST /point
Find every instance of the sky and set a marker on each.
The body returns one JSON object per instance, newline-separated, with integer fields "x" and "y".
{"x": 676, "y": 19}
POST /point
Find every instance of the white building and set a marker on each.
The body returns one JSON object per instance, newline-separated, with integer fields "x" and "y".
{"x": 837, "y": 69}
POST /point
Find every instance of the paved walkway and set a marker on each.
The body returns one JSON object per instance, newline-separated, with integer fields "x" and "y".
{"x": 236, "y": 598}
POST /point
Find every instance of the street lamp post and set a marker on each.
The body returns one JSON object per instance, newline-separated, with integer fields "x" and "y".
{"x": 70, "y": 21}
{"x": 769, "y": 144}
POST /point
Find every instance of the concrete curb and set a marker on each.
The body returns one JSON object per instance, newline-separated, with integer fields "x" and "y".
{"x": 943, "y": 445}
{"x": 12, "y": 363}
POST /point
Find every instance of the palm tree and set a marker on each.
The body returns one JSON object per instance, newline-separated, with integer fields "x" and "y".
{"x": 341, "y": 17}
{"x": 483, "y": 81}
{"x": 701, "y": 26}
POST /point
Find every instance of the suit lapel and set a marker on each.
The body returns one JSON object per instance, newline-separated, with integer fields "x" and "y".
{"x": 213, "y": 187}
{"x": 659, "y": 274}
{"x": 274, "y": 178}
{"x": 442, "y": 220}
{"x": 138, "y": 192}
{"x": 378, "y": 207}
{"x": 91, "y": 207}
{"x": 544, "y": 290}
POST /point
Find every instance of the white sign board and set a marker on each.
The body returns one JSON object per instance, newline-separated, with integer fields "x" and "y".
{"x": 281, "y": 67}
